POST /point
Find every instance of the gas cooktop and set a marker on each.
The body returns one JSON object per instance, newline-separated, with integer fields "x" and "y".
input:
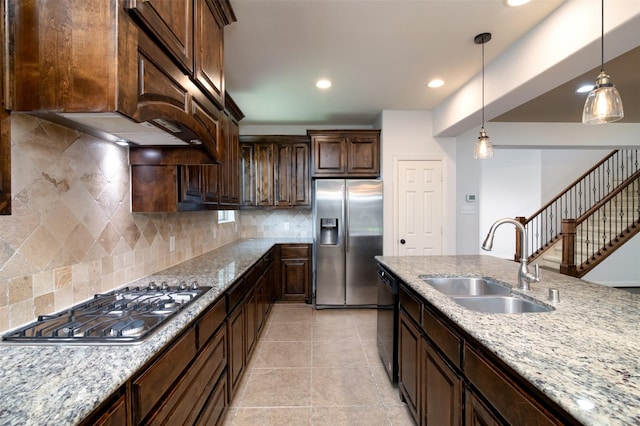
{"x": 126, "y": 315}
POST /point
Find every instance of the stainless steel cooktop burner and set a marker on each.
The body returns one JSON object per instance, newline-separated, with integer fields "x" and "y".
{"x": 126, "y": 315}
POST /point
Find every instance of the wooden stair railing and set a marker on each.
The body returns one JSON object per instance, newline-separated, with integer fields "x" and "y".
{"x": 614, "y": 220}
{"x": 544, "y": 227}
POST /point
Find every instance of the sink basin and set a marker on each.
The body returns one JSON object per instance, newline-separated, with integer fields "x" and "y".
{"x": 466, "y": 286}
{"x": 500, "y": 304}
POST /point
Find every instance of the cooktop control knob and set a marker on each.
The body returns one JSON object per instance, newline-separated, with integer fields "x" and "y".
{"x": 165, "y": 286}
{"x": 194, "y": 285}
{"x": 152, "y": 285}
{"x": 183, "y": 285}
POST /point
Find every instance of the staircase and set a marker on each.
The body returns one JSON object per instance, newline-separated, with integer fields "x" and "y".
{"x": 588, "y": 221}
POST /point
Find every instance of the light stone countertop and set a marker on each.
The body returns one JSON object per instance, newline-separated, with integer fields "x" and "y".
{"x": 62, "y": 384}
{"x": 584, "y": 355}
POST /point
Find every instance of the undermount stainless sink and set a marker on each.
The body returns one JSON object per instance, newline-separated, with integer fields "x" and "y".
{"x": 500, "y": 304}
{"x": 466, "y": 286}
{"x": 484, "y": 295}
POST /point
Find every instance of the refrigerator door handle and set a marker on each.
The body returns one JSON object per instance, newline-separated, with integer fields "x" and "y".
{"x": 347, "y": 217}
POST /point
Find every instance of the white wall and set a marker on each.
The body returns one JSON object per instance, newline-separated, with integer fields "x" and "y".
{"x": 407, "y": 135}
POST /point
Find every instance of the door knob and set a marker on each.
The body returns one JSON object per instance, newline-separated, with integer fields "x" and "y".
{"x": 402, "y": 241}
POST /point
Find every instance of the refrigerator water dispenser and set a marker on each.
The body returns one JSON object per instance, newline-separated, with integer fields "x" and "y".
{"x": 329, "y": 231}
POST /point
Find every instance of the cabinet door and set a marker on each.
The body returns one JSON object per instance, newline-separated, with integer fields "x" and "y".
{"x": 210, "y": 187}
{"x": 213, "y": 123}
{"x": 209, "y": 52}
{"x": 159, "y": 181}
{"x": 300, "y": 177}
{"x": 113, "y": 413}
{"x": 477, "y": 414}
{"x": 250, "y": 322}
{"x": 363, "y": 157}
{"x": 264, "y": 174}
{"x": 230, "y": 167}
{"x": 248, "y": 176}
{"x": 235, "y": 360}
{"x": 441, "y": 390}
{"x": 329, "y": 155}
{"x": 5, "y": 134}
{"x": 190, "y": 184}
{"x": 171, "y": 22}
{"x": 282, "y": 173}
{"x": 295, "y": 282}
{"x": 409, "y": 361}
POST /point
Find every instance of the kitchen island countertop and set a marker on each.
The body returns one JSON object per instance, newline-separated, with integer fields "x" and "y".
{"x": 584, "y": 355}
{"x": 59, "y": 384}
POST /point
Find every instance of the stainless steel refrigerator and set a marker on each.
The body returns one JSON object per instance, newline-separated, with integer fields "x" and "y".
{"x": 347, "y": 221}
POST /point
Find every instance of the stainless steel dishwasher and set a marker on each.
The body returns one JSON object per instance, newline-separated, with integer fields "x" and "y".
{"x": 388, "y": 322}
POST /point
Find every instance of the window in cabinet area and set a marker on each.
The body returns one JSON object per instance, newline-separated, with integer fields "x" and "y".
{"x": 226, "y": 216}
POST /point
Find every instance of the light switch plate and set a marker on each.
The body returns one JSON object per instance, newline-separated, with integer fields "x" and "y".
{"x": 172, "y": 243}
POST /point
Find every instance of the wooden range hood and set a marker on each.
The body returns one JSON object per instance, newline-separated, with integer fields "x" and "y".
{"x": 100, "y": 67}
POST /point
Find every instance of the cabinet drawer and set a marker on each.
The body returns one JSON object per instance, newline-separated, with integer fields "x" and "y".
{"x": 211, "y": 321}
{"x": 235, "y": 295}
{"x": 149, "y": 387}
{"x": 445, "y": 339}
{"x": 191, "y": 393}
{"x": 503, "y": 394}
{"x": 295, "y": 252}
{"x": 411, "y": 305}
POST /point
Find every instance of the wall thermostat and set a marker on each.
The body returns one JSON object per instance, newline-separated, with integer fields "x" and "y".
{"x": 471, "y": 198}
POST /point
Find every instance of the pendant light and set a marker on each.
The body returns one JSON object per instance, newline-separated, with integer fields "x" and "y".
{"x": 603, "y": 104}
{"x": 483, "y": 149}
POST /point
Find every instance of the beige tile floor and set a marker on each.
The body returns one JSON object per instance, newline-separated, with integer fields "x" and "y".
{"x": 317, "y": 367}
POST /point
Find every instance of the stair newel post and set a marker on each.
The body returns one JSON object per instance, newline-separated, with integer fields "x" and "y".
{"x": 519, "y": 236}
{"x": 568, "y": 265}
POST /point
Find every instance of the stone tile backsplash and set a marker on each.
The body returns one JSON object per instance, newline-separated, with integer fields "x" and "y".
{"x": 276, "y": 223}
{"x": 71, "y": 233}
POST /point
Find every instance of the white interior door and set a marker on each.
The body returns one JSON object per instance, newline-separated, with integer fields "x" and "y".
{"x": 419, "y": 208}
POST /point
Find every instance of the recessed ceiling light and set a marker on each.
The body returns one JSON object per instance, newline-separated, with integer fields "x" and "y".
{"x": 515, "y": 3}
{"x": 436, "y": 83}
{"x": 584, "y": 89}
{"x": 323, "y": 84}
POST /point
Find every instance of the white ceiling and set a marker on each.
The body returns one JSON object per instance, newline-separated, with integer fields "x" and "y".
{"x": 379, "y": 54}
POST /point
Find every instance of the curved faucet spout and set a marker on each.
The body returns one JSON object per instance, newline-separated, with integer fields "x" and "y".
{"x": 524, "y": 276}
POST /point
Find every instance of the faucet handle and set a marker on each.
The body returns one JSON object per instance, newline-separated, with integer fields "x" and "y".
{"x": 537, "y": 271}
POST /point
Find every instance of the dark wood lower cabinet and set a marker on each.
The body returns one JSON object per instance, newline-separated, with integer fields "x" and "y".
{"x": 296, "y": 272}
{"x": 193, "y": 380}
{"x": 113, "y": 412}
{"x": 409, "y": 359}
{"x": 477, "y": 414}
{"x": 446, "y": 377}
{"x": 235, "y": 329}
{"x": 442, "y": 390}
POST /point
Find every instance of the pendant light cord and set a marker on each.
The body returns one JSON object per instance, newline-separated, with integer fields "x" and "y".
{"x": 602, "y": 37}
{"x": 483, "y": 85}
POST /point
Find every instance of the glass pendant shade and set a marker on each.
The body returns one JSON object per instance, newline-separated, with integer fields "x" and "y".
{"x": 484, "y": 149}
{"x": 603, "y": 104}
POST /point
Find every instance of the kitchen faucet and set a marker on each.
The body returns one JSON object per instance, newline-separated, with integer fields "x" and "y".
{"x": 524, "y": 276}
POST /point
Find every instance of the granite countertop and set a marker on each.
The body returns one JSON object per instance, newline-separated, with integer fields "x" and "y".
{"x": 584, "y": 355}
{"x": 61, "y": 385}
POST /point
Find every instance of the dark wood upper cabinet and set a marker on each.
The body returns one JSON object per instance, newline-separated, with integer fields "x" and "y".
{"x": 275, "y": 171}
{"x": 169, "y": 21}
{"x": 5, "y": 133}
{"x": 143, "y": 65}
{"x": 345, "y": 153}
